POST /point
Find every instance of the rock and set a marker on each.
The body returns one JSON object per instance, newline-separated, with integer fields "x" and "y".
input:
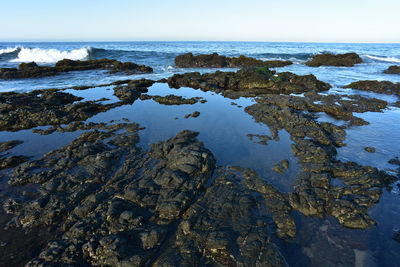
{"x": 248, "y": 82}
{"x": 370, "y": 149}
{"x": 228, "y": 230}
{"x": 216, "y": 61}
{"x": 278, "y": 168}
{"x": 381, "y": 87}
{"x": 132, "y": 90}
{"x": 12, "y": 161}
{"x": 4, "y": 146}
{"x": 396, "y": 235}
{"x": 262, "y": 139}
{"x": 392, "y": 70}
{"x": 194, "y": 115}
{"x": 285, "y": 163}
{"x": 315, "y": 146}
{"x": 172, "y": 99}
{"x": 111, "y": 203}
{"x": 52, "y": 107}
{"x": 32, "y": 70}
{"x": 341, "y": 60}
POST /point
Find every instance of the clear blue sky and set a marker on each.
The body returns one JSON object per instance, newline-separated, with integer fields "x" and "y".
{"x": 219, "y": 20}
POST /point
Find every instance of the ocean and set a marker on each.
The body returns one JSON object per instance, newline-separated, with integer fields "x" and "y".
{"x": 224, "y": 127}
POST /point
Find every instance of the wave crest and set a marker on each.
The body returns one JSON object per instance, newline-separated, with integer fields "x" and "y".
{"x": 385, "y": 59}
{"x": 50, "y": 55}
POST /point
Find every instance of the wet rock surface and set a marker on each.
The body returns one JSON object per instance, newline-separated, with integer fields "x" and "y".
{"x": 217, "y": 61}
{"x": 171, "y": 99}
{"x": 53, "y": 107}
{"x": 227, "y": 226}
{"x": 315, "y": 146}
{"x": 339, "y": 60}
{"x": 395, "y": 69}
{"x": 381, "y": 87}
{"x": 111, "y": 203}
{"x": 248, "y": 82}
{"x": 7, "y": 161}
{"x": 32, "y": 70}
{"x": 132, "y": 91}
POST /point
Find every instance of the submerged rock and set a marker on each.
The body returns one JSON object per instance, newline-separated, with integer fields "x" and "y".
{"x": 217, "y": 61}
{"x": 4, "y": 146}
{"x": 392, "y": 70}
{"x": 32, "y": 70}
{"x": 381, "y": 87}
{"x": 10, "y": 161}
{"x": 248, "y": 82}
{"x": 370, "y": 149}
{"x": 340, "y": 60}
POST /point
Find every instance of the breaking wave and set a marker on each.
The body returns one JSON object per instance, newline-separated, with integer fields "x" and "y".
{"x": 50, "y": 55}
{"x": 385, "y": 59}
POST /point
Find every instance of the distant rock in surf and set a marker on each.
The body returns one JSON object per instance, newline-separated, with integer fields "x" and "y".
{"x": 394, "y": 69}
{"x": 217, "y": 61}
{"x": 32, "y": 70}
{"x": 339, "y": 60}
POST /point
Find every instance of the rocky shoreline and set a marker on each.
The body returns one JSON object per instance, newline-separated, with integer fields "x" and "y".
{"x": 102, "y": 200}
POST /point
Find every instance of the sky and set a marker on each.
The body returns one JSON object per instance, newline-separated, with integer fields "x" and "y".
{"x": 206, "y": 20}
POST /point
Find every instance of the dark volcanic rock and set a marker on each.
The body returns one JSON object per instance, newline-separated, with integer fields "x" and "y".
{"x": 112, "y": 204}
{"x": 341, "y": 60}
{"x": 32, "y": 70}
{"x": 392, "y": 70}
{"x": 229, "y": 230}
{"x": 171, "y": 99}
{"x": 248, "y": 82}
{"x": 4, "y": 146}
{"x": 381, "y": 87}
{"x": 315, "y": 146}
{"x": 52, "y": 107}
{"x": 216, "y": 61}
{"x": 132, "y": 90}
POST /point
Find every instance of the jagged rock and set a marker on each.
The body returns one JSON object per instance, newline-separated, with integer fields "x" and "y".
{"x": 32, "y": 70}
{"x": 248, "y": 82}
{"x": 132, "y": 90}
{"x": 51, "y": 107}
{"x": 226, "y": 226}
{"x": 214, "y": 60}
{"x": 112, "y": 204}
{"x": 341, "y": 60}
{"x": 315, "y": 146}
{"x": 4, "y": 146}
{"x": 381, "y": 87}
{"x": 392, "y": 70}
{"x": 171, "y": 99}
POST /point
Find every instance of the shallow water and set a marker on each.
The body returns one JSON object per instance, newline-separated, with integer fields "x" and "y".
{"x": 224, "y": 127}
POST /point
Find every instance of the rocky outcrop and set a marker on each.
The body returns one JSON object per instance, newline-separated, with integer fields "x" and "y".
{"x": 315, "y": 146}
{"x": 53, "y": 107}
{"x": 132, "y": 90}
{"x": 217, "y": 61}
{"x": 392, "y": 70}
{"x": 228, "y": 230}
{"x": 171, "y": 99}
{"x": 248, "y": 82}
{"x": 32, "y": 70}
{"x": 381, "y": 87}
{"x": 112, "y": 204}
{"x": 339, "y": 60}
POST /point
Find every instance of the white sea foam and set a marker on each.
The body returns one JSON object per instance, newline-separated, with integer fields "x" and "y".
{"x": 50, "y": 55}
{"x": 9, "y": 50}
{"x": 386, "y": 59}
